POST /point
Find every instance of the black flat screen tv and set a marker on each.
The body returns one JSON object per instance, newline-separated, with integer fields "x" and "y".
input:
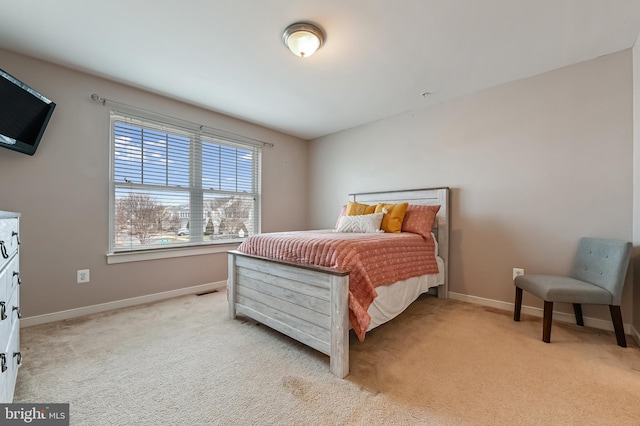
{"x": 24, "y": 115}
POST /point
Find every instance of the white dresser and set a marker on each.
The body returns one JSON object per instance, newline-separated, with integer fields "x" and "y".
{"x": 10, "y": 357}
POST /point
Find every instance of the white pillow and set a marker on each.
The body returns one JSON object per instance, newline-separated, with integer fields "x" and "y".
{"x": 366, "y": 223}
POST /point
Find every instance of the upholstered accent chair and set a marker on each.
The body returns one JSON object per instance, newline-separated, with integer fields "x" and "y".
{"x": 597, "y": 277}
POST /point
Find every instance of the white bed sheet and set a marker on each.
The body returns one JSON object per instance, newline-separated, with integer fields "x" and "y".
{"x": 393, "y": 299}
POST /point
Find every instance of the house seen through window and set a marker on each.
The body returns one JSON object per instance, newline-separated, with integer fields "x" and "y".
{"x": 173, "y": 187}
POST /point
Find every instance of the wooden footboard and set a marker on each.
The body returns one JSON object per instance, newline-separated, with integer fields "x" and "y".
{"x": 307, "y": 303}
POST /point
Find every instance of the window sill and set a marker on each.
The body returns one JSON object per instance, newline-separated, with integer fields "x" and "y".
{"x": 168, "y": 253}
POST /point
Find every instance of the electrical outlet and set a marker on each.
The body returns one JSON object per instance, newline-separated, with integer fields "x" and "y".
{"x": 517, "y": 272}
{"x": 83, "y": 276}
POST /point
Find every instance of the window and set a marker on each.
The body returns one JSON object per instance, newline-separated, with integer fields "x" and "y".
{"x": 174, "y": 187}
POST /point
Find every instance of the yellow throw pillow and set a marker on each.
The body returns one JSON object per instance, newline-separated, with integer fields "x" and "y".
{"x": 392, "y": 220}
{"x": 356, "y": 209}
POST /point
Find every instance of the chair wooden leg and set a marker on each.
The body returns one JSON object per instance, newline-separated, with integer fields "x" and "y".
{"x": 546, "y": 322}
{"x": 577, "y": 308}
{"x": 517, "y": 305}
{"x": 616, "y": 317}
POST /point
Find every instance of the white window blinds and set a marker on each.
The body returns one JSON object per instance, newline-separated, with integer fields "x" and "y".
{"x": 172, "y": 186}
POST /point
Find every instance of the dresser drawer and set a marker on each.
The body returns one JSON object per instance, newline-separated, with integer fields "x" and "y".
{"x": 13, "y": 274}
{"x": 9, "y": 319}
{"x": 9, "y": 277}
{"x": 13, "y": 310}
{"x": 12, "y": 361}
{"x": 9, "y": 239}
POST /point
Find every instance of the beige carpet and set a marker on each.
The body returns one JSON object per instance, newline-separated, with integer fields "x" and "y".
{"x": 182, "y": 362}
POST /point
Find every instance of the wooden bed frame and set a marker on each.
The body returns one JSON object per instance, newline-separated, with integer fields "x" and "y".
{"x": 310, "y": 303}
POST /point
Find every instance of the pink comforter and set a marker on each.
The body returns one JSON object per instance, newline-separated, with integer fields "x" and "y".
{"x": 372, "y": 260}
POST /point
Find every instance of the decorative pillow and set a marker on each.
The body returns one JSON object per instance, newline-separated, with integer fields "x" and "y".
{"x": 420, "y": 219}
{"x": 392, "y": 220}
{"x": 367, "y": 223}
{"x": 354, "y": 208}
{"x": 343, "y": 211}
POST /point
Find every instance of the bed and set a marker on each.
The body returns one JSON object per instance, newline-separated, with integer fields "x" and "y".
{"x": 310, "y": 303}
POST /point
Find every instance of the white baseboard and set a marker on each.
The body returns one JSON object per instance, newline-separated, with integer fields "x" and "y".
{"x": 538, "y": 312}
{"x": 86, "y": 310}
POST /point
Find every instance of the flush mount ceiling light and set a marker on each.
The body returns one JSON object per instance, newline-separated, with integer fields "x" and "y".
{"x": 303, "y": 38}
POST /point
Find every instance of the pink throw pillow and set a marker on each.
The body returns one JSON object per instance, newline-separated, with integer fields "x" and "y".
{"x": 420, "y": 219}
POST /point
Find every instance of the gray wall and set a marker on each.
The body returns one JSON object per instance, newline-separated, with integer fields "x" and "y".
{"x": 533, "y": 165}
{"x": 63, "y": 194}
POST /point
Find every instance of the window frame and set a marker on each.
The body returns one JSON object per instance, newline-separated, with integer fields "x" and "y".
{"x": 198, "y": 133}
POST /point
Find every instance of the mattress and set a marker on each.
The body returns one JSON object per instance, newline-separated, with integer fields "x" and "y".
{"x": 393, "y": 299}
{"x": 373, "y": 260}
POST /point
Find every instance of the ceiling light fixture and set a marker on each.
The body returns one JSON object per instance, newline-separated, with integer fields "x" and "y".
{"x": 303, "y": 38}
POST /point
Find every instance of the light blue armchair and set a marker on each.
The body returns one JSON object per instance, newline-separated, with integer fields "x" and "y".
{"x": 598, "y": 276}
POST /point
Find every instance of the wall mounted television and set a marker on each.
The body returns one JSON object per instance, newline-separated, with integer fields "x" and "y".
{"x": 24, "y": 115}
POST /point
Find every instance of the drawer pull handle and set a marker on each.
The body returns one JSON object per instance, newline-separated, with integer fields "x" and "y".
{"x": 3, "y": 311}
{"x": 19, "y": 355}
{"x": 3, "y": 357}
{"x": 18, "y": 274}
{"x": 17, "y": 308}
{"x": 3, "y": 250}
{"x": 15, "y": 234}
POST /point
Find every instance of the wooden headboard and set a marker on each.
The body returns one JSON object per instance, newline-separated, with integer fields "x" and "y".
{"x": 426, "y": 196}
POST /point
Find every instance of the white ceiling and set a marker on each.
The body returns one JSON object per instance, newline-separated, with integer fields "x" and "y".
{"x": 378, "y": 58}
